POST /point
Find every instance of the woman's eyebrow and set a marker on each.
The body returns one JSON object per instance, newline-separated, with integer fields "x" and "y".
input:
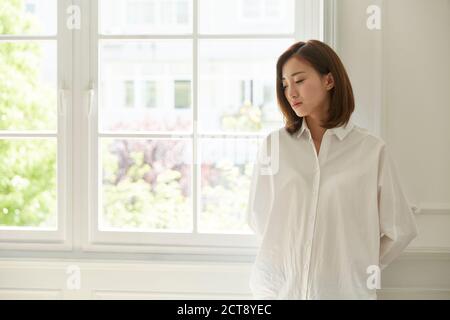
{"x": 283, "y": 78}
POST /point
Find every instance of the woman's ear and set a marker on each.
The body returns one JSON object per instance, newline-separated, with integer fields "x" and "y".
{"x": 329, "y": 81}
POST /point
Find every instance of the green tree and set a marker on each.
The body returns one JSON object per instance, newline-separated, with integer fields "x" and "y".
{"x": 27, "y": 166}
{"x": 144, "y": 193}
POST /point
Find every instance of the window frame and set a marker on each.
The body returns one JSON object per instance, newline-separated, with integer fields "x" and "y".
{"x": 166, "y": 242}
{"x": 78, "y": 152}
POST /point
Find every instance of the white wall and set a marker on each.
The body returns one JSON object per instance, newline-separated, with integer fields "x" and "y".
{"x": 403, "y": 71}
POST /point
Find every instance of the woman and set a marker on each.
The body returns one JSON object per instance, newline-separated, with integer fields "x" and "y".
{"x": 326, "y": 205}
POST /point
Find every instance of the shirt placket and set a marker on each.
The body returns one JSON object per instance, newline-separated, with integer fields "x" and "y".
{"x": 312, "y": 220}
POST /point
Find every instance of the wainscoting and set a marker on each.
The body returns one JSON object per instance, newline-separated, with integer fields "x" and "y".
{"x": 421, "y": 272}
{"x": 412, "y": 276}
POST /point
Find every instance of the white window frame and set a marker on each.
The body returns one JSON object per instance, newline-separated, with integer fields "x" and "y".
{"x": 61, "y": 238}
{"x": 165, "y": 242}
{"x": 78, "y": 149}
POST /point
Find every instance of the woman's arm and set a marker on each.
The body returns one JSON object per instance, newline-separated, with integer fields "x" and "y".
{"x": 261, "y": 190}
{"x": 397, "y": 223}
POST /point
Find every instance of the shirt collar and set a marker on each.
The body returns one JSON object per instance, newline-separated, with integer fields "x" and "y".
{"x": 341, "y": 131}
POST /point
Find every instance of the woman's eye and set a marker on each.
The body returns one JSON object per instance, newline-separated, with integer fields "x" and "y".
{"x": 299, "y": 81}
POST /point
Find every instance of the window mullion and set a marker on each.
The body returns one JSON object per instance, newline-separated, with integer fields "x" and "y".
{"x": 64, "y": 109}
{"x": 93, "y": 137}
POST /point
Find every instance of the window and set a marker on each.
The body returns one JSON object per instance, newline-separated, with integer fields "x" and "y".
{"x": 175, "y": 12}
{"x": 35, "y": 57}
{"x": 182, "y": 94}
{"x": 183, "y": 12}
{"x": 268, "y": 94}
{"x": 262, "y": 10}
{"x": 247, "y": 91}
{"x": 272, "y": 9}
{"x": 168, "y": 103}
{"x": 129, "y": 93}
{"x": 179, "y": 174}
{"x": 149, "y": 94}
{"x": 143, "y": 16}
{"x": 251, "y": 8}
{"x": 141, "y": 12}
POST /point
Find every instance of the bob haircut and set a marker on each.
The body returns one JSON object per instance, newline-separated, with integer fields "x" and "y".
{"x": 324, "y": 60}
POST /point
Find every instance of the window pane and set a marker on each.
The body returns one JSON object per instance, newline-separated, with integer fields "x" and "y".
{"x": 145, "y": 16}
{"x": 164, "y": 61}
{"x": 150, "y": 94}
{"x": 28, "y": 85}
{"x": 234, "y": 78}
{"x": 28, "y": 17}
{"x": 140, "y": 12}
{"x": 146, "y": 185}
{"x": 28, "y": 183}
{"x": 226, "y": 171}
{"x": 246, "y": 16}
{"x": 129, "y": 93}
{"x": 182, "y": 94}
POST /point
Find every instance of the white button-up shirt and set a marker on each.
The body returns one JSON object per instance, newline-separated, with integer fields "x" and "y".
{"x": 326, "y": 223}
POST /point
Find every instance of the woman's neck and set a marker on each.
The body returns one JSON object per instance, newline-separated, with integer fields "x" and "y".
{"x": 317, "y": 131}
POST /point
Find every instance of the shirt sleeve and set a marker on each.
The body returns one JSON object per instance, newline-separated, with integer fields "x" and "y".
{"x": 397, "y": 223}
{"x": 261, "y": 190}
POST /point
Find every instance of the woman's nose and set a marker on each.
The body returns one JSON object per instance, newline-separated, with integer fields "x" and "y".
{"x": 292, "y": 93}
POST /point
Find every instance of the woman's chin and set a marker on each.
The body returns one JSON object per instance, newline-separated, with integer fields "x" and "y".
{"x": 299, "y": 113}
{"x": 299, "y": 110}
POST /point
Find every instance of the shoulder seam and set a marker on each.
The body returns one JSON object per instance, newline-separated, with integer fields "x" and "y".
{"x": 370, "y": 134}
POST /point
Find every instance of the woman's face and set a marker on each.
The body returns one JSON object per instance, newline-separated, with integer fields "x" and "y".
{"x": 304, "y": 85}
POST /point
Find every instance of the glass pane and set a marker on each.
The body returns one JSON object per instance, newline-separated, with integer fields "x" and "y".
{"x": 237, "y": 84}
{"x": 246, "y": 16}
{"x": 145, "y": 16}
{"x": 137, "y": 84}
{"x": 182, "y": 94}
{"x": 28, "y": 85}
{"x": 226, "y": 170}
{"x": 146, "y": 185}
{"x": 129, "y": 94}
{"x": 28, "y": 193}
{"x": 28, "y": 17}
{"x": 150, "y": 94}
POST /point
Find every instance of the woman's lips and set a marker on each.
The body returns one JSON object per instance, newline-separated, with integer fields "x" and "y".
{"x": 297, "y": 104}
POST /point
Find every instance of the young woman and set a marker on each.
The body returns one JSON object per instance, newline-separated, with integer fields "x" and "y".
{"x": 328, "y": 207}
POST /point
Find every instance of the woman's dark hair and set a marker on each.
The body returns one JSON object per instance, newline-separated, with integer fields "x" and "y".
{"x": 324, "y": 60}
